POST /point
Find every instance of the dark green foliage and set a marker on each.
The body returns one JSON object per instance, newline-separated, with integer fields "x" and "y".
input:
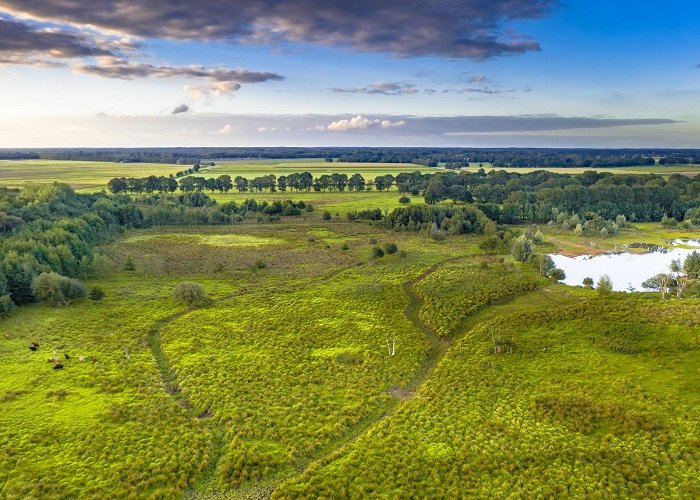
{"x": 96, "y": 293}
{"x": 588, "y": 282}
{"x": 453, "y": 220}
{"x": 326, "y": 215}
{"x": 390, "y": 248}
{"x": 404, "y": 200}
{"x": 557, "y": 274}
{"x": 377, "y": 252}
{"x": 259, "y": 264}
{"x": 129, "y": 265}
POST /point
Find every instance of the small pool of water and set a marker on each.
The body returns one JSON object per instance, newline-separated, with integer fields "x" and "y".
{"x": 626, "y": 270}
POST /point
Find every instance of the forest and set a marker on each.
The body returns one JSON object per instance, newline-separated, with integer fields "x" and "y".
{"x": 499, "y": 157}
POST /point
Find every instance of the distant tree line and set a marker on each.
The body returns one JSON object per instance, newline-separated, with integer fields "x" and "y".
{"x": 431, "y": 157}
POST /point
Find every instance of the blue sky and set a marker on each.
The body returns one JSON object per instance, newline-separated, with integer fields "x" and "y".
{"x": 584, "y": 73}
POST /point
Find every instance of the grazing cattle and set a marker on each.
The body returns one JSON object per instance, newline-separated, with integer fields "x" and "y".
{"x": 66, "y": 355}
{"x": 58, "y": 366}
{"x": 33, "y": 348}
{"x": 7, "y": 336}
{"x": 81, "y": 358}
{"x": 94, "y": 360}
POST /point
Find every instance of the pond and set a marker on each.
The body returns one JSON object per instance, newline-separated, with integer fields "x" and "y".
{"x": 626, "y": 270}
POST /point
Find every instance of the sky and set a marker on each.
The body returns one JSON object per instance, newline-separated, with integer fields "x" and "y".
{"x": 468, "y": 73}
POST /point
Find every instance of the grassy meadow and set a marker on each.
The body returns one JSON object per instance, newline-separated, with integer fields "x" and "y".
{"x": 318, "y": 370}
{"x": 88, "y": 176}
{"x": 286, "y": 385}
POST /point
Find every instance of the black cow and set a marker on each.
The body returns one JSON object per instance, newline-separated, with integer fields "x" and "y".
{"x": 58, "y": 366}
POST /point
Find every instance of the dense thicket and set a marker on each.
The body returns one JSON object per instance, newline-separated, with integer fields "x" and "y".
{"x": 541, "y": 196}
{"x": 511, "y": 157}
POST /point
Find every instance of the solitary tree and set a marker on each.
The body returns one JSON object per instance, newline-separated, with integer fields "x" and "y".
{"x": 661, "y": 282}
{"x": 604, "y": 285}
{"x": 521, "y": 248}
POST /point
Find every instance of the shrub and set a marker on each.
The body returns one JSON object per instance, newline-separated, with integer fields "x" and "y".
{"x": 345, "y": 246}
{"x": 56, "y": 289}
{"x": 377, "y": 252}
{"x": 192, "y": 294}
{"x": 588, "y": 282}
{"x": 557, "y": 274}
{"x": 390, "y": 248}
{"x": 404, "y": 200}
{"x": 521, "y": 248}
{"x": 436, "y": 233}
{"x": 326, "y": 215}
{"x": 96, "y": 294}
{"x": 6, "y": 305}
{"x": 129, "y": 265}
{"x": 259, "y": 264}
{"x": 604, "y": 285}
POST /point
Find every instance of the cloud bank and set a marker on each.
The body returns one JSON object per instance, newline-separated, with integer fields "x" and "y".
{"x": 333, "y": 130}
{"x": 476, "y": 29}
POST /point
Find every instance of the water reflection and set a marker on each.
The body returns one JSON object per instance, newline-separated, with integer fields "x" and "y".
{"x": 626, "y": 270}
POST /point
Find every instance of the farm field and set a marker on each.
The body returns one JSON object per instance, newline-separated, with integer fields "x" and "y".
{"x": 86, "y": 176}
{"x": 91, "y": 176}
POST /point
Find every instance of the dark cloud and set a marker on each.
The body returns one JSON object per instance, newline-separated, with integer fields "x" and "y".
{"x": 393, "y": 88}
{"x": 477, "y": 29}
{"x": 182, "y": 108}
{"x": 120, "y": 68}
{"x": 22, "y": 42}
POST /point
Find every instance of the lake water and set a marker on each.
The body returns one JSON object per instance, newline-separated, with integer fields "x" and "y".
{"x": 626, "y": 270}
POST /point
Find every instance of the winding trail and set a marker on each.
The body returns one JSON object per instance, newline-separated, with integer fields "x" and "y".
{"x": 206, "y": 485}
{"x": 437, "y": 348}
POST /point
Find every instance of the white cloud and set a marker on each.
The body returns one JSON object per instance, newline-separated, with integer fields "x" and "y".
{"x": 225, "y": 130}
{"x": 389, "y": 124}
{"x": 360, "y": 122}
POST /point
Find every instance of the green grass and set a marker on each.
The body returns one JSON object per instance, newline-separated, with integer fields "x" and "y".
{"x": 81, "y": 175}
{"x": 283, "y": 384}
{"x": 598, "y": 398}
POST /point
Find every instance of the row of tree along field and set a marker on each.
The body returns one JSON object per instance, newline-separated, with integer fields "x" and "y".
{"x": 500, "y": 157}
{"x": 505, "y": 197}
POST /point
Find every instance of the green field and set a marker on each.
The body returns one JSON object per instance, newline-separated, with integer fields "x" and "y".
{"x": 286, "y": 385}
{"x": 89, "y": 176}
{"x": 86, "y": 176}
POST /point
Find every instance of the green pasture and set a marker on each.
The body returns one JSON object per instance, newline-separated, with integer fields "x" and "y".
{"x": 318, "y": 371}
{"x": 89, "y": 176}
{"x": 81, "y": 175}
